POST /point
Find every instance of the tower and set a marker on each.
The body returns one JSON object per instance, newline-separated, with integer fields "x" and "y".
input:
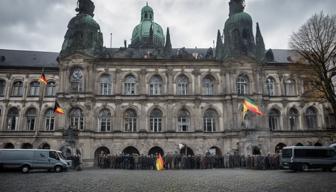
{"x": 147, "y": 34}
{"x": 238, "y": 33}
{"x": 83, "y": 34}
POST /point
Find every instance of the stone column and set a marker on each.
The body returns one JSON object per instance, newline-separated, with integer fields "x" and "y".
{"x": 197, "y": 82}
{"x": 118, "y": 82}
{"x": 142, "y": 117}
{"x": 118, "y": 125}
{"x": 142, "y": 82}
{"x": 170, "y": 125}
{"x": 170, "y": 82}
{"x": 198, "y": 116}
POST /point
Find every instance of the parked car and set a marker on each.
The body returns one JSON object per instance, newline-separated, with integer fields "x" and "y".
{"x": 303, "y": 158}
{"x": 27, "y": 159}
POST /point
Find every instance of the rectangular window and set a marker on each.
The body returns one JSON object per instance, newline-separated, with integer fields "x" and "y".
{"x": 105, "y": 89}
{"x": 183, "y": 124}
{"x": 12, "y": 121}
{"x": 50, "y": 124}
{"x": 51, "y": 90}
{"x": 129, "y": 89}
{"x": 30, "y": 123}
{"x": 34, "y": 91}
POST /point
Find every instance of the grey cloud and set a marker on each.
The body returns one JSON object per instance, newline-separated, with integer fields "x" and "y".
{"x": 41, "y": 24}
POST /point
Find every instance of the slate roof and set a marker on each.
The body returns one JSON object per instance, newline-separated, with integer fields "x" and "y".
{"x": 38, "y": 59}
{"x": 285, "y": 56}
{"x": 20, "y": 58}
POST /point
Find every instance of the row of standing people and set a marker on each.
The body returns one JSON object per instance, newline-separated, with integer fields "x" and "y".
{"x": 178, "y": 161}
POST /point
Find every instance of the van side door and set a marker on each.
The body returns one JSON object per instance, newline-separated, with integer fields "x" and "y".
{"x": 40, "y": 159}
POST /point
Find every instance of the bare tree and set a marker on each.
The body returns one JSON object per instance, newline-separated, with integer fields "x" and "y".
{"x": 315, "y": 42}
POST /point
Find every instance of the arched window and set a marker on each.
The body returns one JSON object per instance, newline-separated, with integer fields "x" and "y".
{"x": 2, "y": 87}
{"x": 130, "y": 85}
{"x": 242, "y": 85}
{"x": 76, "y": 119}
{"x": 17, "y": 90}
{"x": 104, "y": 120}
{"x": 49, "y": 120}
{"x": 208, "y": 85}
{"x": 156, "y": 120}
{"x": 12, "y": 119}
{"x": 76, "y": 80}
{"x": 51, "y": 89}
{"x": 290, "y": 89}
{"x": 34, "y": 89}
{"x": 210, "y": 120}
{"x": 274, "y": 120}
{"x": 311, "y": 118}
{"x": 182, "y": 85}
{"x": 293, "y": 119}
{"x": 105, "y": 85}
{"x": 155, "y": 85}
{"x": 31, "y": 119}
{"x": 130, "y": 119}
{"x": 183, "y": 121}
{"x": 270, "y": 86}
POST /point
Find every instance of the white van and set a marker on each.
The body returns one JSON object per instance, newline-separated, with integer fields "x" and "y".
{"x": 27, "y": 159}
{"x": 302, "y": 158}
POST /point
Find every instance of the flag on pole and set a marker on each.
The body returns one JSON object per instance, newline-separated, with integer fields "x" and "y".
{"x": 58, "y": 109}
{"x": 244, "y": 111}
{"x": 159, "y": 163}
{"x": 250, "y": 105}
{"x": 43, "y": 79}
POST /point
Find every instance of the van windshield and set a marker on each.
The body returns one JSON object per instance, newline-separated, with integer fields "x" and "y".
{"x": 286, "y": 153}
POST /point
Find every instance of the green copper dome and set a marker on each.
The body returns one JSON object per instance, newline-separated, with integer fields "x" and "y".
{"x": 239, "y": 18}
{"x": 83, "y": 34}
{"x": 83, "y": 20}
{"x": 141, "y": 36}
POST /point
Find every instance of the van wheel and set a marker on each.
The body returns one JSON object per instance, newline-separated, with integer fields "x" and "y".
{"x": 58, "y": 168}
{"x": 304, "y": 167}
{"x": 25, "y": 169}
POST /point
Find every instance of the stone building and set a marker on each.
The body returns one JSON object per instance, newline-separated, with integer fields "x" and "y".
{"x": 148, "y": 97}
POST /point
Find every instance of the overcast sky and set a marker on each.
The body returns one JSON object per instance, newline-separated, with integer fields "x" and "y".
{"x": 41, "y": 24}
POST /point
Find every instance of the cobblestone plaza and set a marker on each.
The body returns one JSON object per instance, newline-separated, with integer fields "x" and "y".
{"x": 213, "y": 180}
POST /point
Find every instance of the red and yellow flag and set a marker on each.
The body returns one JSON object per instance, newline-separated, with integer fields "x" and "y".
{"x": 58, "y": 109}
{"x": 250, "y": 105}
{"x": 43, "y": 79}
{"x": 159, "y": 163}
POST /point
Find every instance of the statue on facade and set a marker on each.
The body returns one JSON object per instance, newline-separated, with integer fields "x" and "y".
{"x": 86, "y": 7}
{"x": 236, "y": 6}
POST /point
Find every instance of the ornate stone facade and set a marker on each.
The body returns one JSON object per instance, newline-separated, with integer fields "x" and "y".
{"x": 116, "y": 104}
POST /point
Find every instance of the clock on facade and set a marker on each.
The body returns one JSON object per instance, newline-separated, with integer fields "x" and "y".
{"x": 77, "y": 74}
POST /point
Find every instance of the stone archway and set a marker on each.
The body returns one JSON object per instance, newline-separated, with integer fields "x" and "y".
{"x": 155, "y": 150}
{"x": 131, "y": 151}
{"x": 214, "y": 151}
{"x": 44, "y": 146}
{"x": 100, "y": 151}
{"x": 9, "y": 146}
{"x": 256, "y": 150}
{"x": 299, "y": 144}
{"x": 186, "y": 151}
{"x": 318, "y": 144}
{"x": 279, "y": 147}
{"x": 26, "y": 146}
